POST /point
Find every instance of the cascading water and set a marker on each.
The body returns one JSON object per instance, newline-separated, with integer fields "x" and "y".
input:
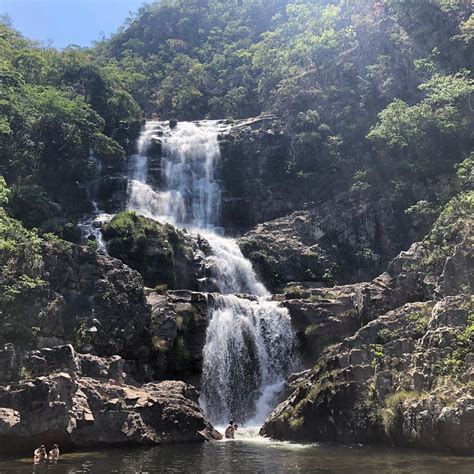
{"x": 90, "y": 225}
{"x": 250, "y": 345}
{"x": 190, "y": 193}
{"x": 249, "y": 349}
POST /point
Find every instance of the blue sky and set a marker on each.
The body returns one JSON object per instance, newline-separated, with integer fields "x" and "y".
{"x": 68, "y": 21}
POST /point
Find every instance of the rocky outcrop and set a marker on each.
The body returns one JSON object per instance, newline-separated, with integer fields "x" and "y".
{"x": 391, "y": 381}
{"x": 406, "y": 376}
{"x": 341, "y": 241}
{"x": 162, "y": 254}
{"x": 78, "y": 401}
{"x": 254, "y": 161}
{"x": 178, "y": 332}
{"x": 93, "y": 301}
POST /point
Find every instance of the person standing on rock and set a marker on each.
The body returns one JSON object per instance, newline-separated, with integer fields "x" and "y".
{"x": 230, "y": 430}
{"x": 40, "y": 455}
{"x": 54, "y": 454}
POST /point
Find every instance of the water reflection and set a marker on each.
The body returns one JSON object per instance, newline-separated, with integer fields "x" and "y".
{"x": 250, "y": 455}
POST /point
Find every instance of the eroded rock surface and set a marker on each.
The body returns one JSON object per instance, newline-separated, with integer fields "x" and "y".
{"x": 388, "y": 382}
{"x": 340, "y": 241}
{"x": 406, "y": 376}
{"x": 82, "y": 400}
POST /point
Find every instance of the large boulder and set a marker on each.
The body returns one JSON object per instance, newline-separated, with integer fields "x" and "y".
{"x": 90, "y": 402}
{"x": 162, "y": 254}
{"x": 179, "y": 320}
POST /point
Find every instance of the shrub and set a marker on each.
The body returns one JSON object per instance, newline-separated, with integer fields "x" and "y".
{"x": 294, "y": 292}
{"x": 296, "y": 423}
{"x": 393, "y": 404}
{"x": 311, "y": 330}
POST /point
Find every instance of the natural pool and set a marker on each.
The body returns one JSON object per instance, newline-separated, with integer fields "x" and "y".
{"x": 250, "y": 454}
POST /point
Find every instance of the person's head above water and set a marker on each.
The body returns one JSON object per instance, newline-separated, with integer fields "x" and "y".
{"x": 236, "y": 427}
{"x": 231, "y": 423}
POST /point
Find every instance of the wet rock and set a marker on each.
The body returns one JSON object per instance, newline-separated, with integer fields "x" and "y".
{"x": 178, "y": 330}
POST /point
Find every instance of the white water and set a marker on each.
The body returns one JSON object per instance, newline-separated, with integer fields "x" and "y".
{"x": 248, "y": 351}
{"x": 250, "y": 345}
{"x": 190, "y": 194}
{"x": 90, "y": 225}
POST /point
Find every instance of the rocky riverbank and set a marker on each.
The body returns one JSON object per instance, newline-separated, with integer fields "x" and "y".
{"x": 406, "y": 376}
{"x": 393, "y": 356}
{"x": 56, "y": 395}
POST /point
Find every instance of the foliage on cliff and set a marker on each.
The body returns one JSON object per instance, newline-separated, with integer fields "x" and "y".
{"x": 162, "y": 254}
{"x": 20, "y": 275}
{"x": 56, "y": 108}
{"x": 376, "y": 95}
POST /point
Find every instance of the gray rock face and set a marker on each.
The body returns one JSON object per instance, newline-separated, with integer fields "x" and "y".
{"x": 95, "y": 302}
{"x": 81, "y": 400}
{"x": 458, "y": 273}
{"x": 405, "y": 376}
{"x": 386, "y": 382}
{"x": 341, "y": 241}
{"x": 178, "y": 331}
{"x": 254, "y": 156}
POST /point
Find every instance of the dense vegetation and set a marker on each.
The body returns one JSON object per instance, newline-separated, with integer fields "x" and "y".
{"x": 57, "y": 109}
{"x": 21, "y": 285}
{"x": 376, "y": 96}
{"x": 370, "y": 91}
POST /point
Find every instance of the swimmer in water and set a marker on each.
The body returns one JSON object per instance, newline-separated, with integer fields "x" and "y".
{"x": 229, "y": 431}
{"x": 39, "y": 456}
{"x": 54, "y": 454}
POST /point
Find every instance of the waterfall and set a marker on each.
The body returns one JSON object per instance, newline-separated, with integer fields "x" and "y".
{"x": 90, "y": 225}
{"x": 249, "y": 349}
{"x": 190, "y": 194}
{"x": 250, "y": 345}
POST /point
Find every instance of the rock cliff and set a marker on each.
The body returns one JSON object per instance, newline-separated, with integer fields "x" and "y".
{"x": 406, "y": 375}
{"x": 80, "y": 400}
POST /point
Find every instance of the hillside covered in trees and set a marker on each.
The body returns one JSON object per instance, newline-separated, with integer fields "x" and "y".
{"x": 372, "y": 94}
{"x": 347, "y": 138}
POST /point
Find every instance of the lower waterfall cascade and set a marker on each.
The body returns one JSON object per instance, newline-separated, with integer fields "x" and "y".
{"x": 250, "y": 345}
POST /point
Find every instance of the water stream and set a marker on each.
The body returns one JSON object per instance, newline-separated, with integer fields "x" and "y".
{"x": 90, "y": 225}
{"x": 250, "y": 345}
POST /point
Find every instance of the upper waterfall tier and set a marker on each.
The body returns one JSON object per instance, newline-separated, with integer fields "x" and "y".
{"x": 190, "y": 193}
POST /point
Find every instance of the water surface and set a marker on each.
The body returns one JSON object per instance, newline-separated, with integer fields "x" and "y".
{"x": 251, "y": 455}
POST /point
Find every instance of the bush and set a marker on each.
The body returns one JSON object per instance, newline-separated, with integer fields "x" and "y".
{"x": 393, "y": 405}
{"x": 294, "y": 292}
